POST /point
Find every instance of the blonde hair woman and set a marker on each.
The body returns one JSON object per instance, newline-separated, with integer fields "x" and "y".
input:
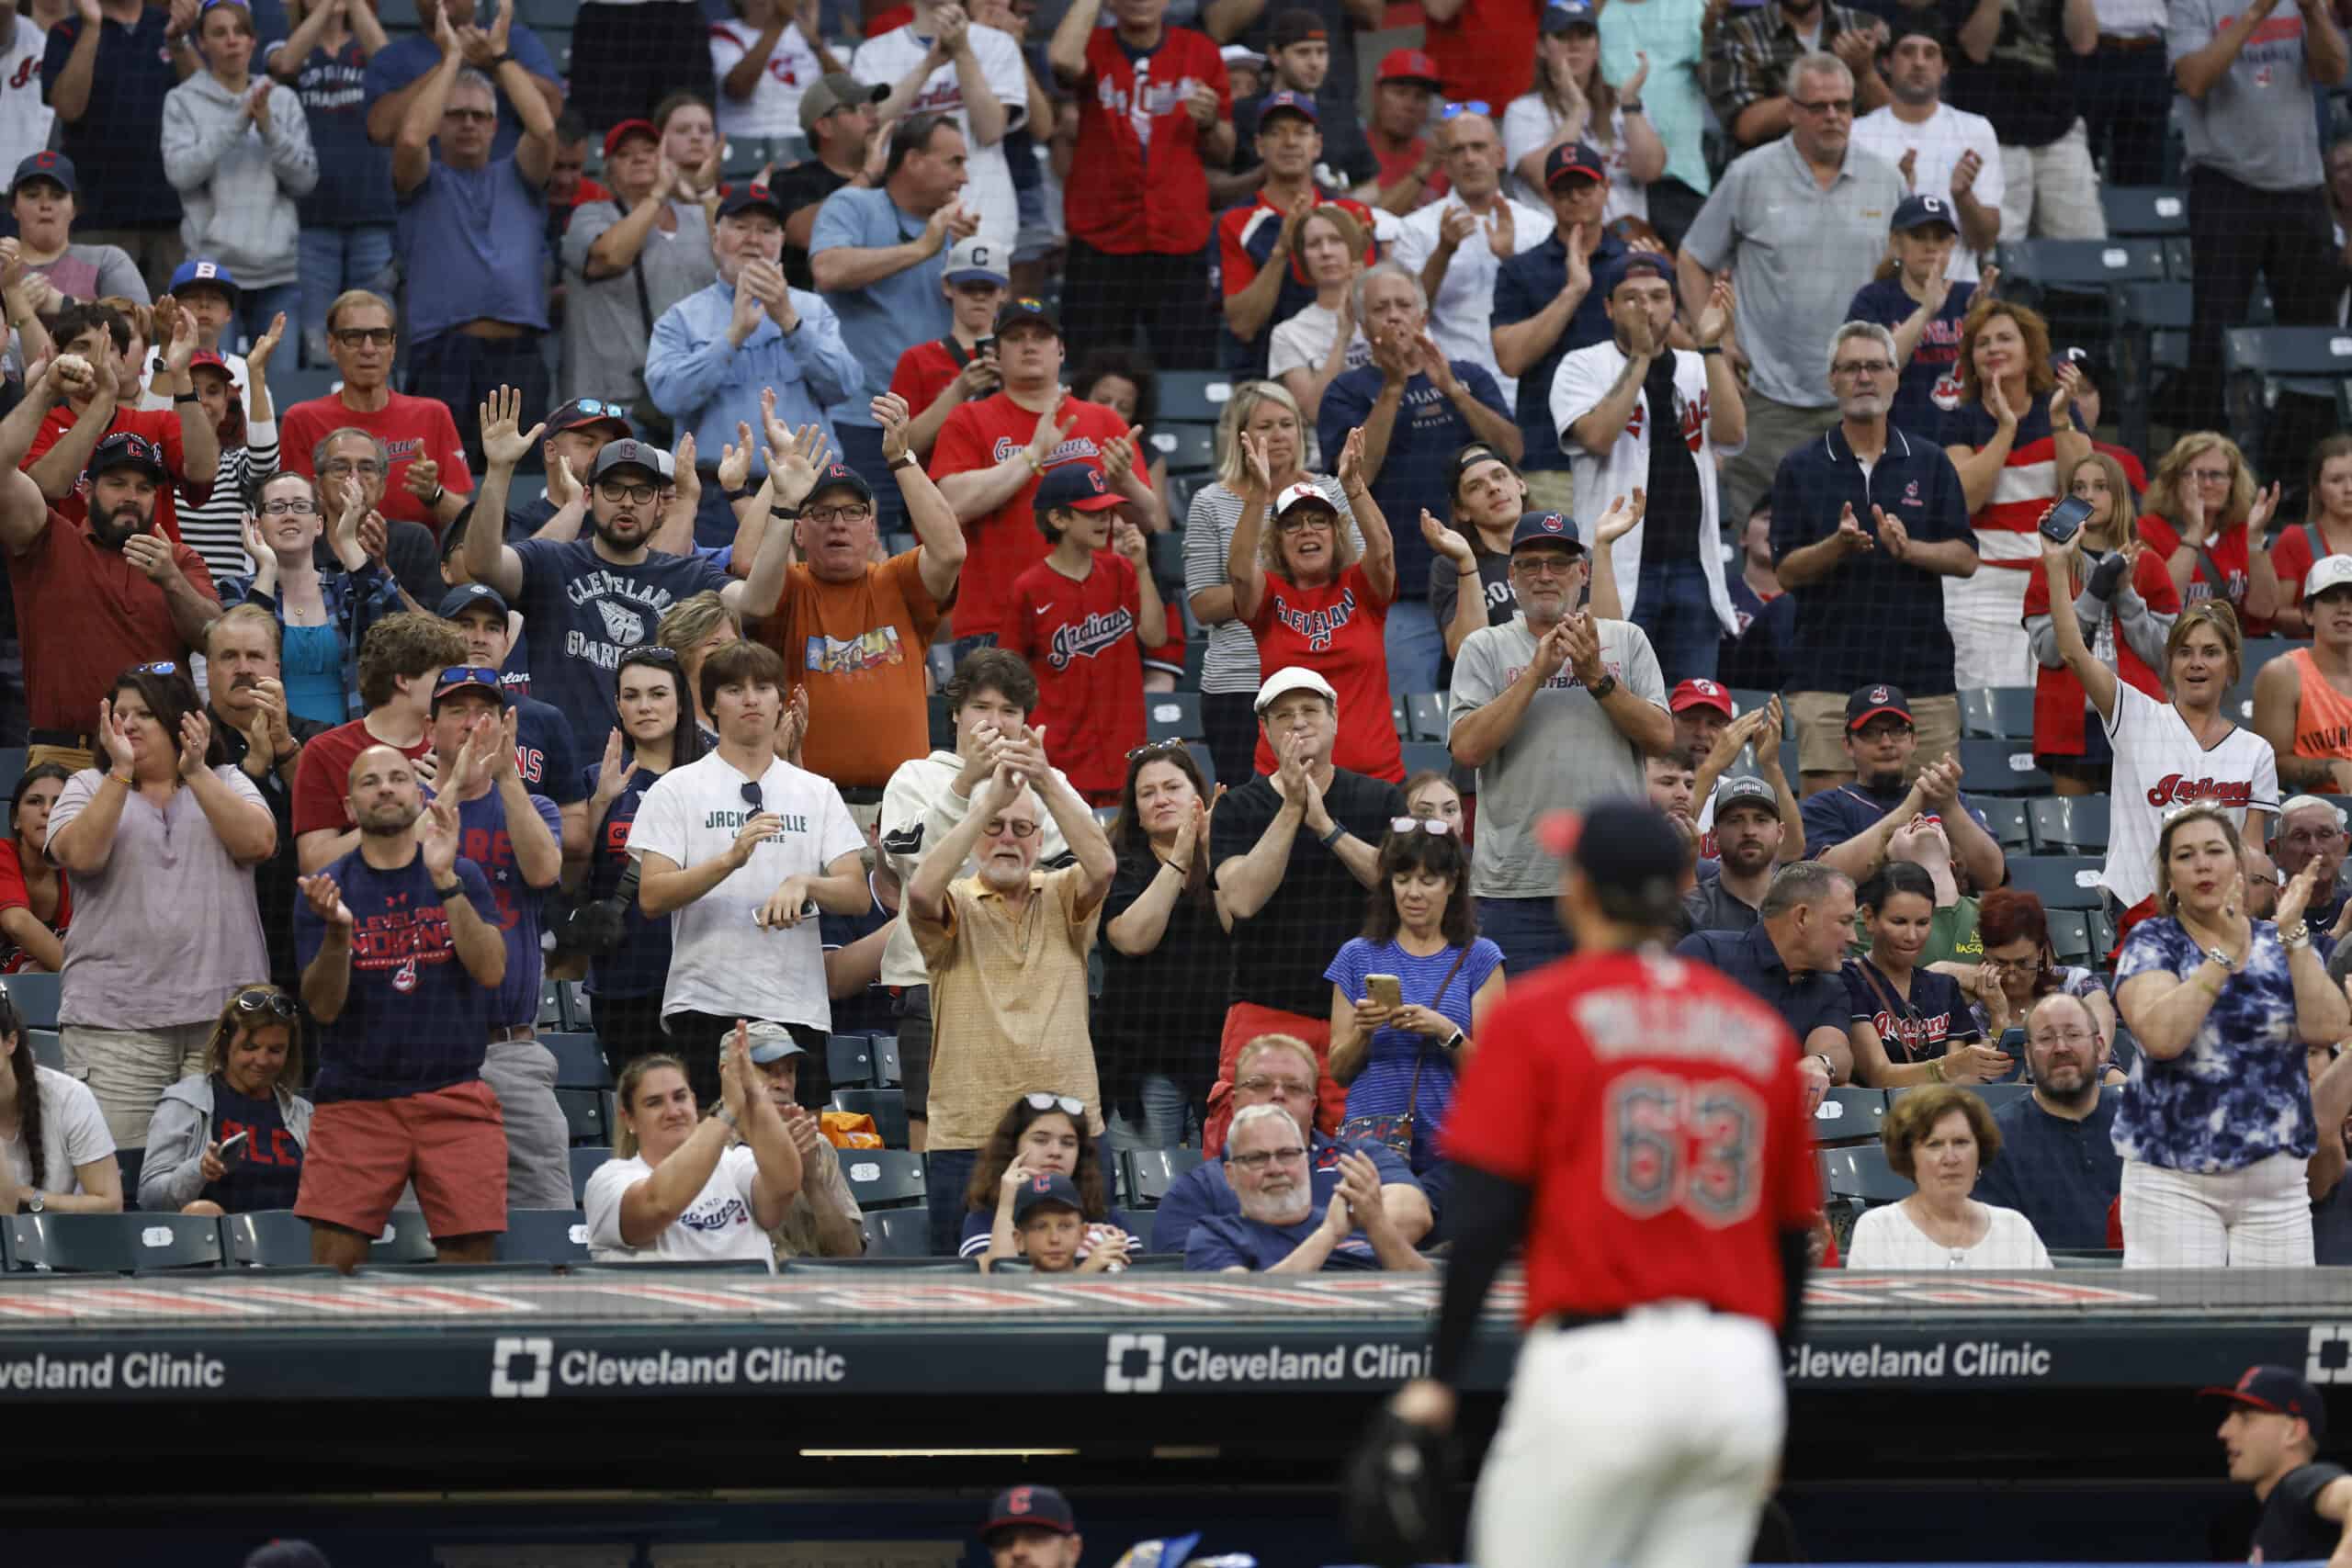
{"x": 2204, "y": 517}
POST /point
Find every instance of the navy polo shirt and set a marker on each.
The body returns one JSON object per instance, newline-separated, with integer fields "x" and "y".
{"x": 1805, "y": 1002}
{"x": 1872, "y": 618}
{"x": 2061, "y": 1175}
{"x": 1417, "y": 475}
{"x": 1833, "y": 816}
{"x": 1524, "y": 284}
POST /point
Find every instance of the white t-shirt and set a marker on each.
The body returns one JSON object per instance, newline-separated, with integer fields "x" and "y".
{"x": 988, "y": 188}
{"x": 1465, "y": 297}
{"x": 1940, "y": 140}
{"x": 1304, "y": 341}
{"x": 2159, "y": 766}
{"x": 718, "y": 1226}
{"x": 774, "y": 109}
{"x": 719, "y": 961}
{"x": 25, "y": 118}
{"x": 1529, "y": 125}
{"x": 1886, "y": 1239}
{"x": 73, "y": 1133}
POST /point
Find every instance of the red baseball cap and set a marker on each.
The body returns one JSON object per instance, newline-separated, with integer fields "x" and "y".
{"x": 626, "y": 129}
{"x": 1697, "y": 693}
{"x": 1410, "y": 66}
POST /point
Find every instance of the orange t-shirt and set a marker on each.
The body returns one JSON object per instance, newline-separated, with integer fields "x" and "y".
{"x": 858, "y": 646}
{"x": 2323, "y": 713}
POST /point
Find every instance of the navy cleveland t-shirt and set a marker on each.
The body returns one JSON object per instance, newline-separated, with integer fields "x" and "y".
{"x": 485, "y": 840}
{"x": 1936, "y": 356}
{"x": 414, "y": 1020}
{"x": 580, "y": 613}
{"x": 266, "y": 1170}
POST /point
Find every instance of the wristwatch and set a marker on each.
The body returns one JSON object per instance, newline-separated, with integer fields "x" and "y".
{"x": 1455, "y": 1042}
{"x": 1602, "y": 687}
{"x": 35, "y": 1203}
{"x": 455, "y": 890}
{"x": 1338, "y": 831}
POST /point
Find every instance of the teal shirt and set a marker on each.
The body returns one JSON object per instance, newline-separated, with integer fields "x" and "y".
{"x": 1674, "y": 97}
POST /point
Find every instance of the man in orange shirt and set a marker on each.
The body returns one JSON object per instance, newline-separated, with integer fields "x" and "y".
{"x": 854, "y": 633}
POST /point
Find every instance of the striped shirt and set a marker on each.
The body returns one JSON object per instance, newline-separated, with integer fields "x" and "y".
{"x": 2006, "y": 525}
{"x": 214, "y": 526}
{"x": 1231, "y": 664}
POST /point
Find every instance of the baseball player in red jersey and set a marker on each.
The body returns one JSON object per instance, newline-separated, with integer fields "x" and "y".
{"x": 1638, "y": 1120}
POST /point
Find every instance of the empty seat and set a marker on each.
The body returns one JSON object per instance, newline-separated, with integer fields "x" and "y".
{"x": 49, "y": 1050}
{"x": 2137, "y": 210}
{"x": 2061, "y": 882}
{"x": 897, "y": 1233}
{"x": 1189, "y": 448}
{"x": 2005, "y": 816}
{"x": 2070, "y": 936}
{"x": 887, "y": 1106}
{"x": 1995, "y": 1095}
{"x": 2078, "y": 266}
{"x": 942, "y": 723}
{"x": 543, "y": 1236}
{"x": 2069, "y": 823}
{"x": 882, "y": 1179}
{"x": 584, "y": 1162}
{"x": 1862, "y": 1172}
{"x": 1998, "y": 713}
{"x": 579, "y": 1062}
{"x": 849, "y": 1061}
{"x": 550, "y": 1004}
{"x": 1148, "y": 1174}
{"x": 270, "y": 1238}
{"x": 1426, "y": 756}
{"x": 886, "y": 1061}
{"x": 1199, "y": 752}
{"x": 112, "y": 1244}
{"x": 34, "y": 993}
{"x": 1425, "y": 711}
{"x": 1195, "y": 395}
{"x": 406, "y": 1239}
{"x": 2001, "y": 767}
{"x": 583, "y": 1112}
{"x": 1849, "y": 1113}
{"x": 1173, "y": 716}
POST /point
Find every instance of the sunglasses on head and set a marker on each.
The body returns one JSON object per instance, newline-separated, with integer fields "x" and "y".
{"x": 1070, "y": 1104}
{"x": 160, "y": 667}
{"x": 1150, "y": 748}
{"x": 1435, "y": 826}
{"x": 1470, "y": 106}
{"x": 274, "y": 1002}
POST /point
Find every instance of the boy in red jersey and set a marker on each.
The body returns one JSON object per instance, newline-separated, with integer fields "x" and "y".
{"x": 1637, "y": 1120}
{"x": 1082, "y": 618}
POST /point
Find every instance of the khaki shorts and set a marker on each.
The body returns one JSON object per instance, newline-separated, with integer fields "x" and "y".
{"x": 1821, "y": 731}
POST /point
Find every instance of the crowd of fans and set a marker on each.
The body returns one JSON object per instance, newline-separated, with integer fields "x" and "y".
{"x": 748, "y": 599}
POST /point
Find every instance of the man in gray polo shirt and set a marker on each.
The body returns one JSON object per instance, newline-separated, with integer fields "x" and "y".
{"x": 2245, "y": 74}
{"x": 1801, "y": 222}
{"x": 1553, "y": 708}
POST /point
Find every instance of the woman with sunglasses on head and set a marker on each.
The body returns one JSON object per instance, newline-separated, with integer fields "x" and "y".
{"x": 1166, "y": 955}
{"x": 657, "y": 733}
{"x": 230, "y": 1140}
{"x": 56, "y": 1156}
{"x": 323, "y": 617}
{"x": 161, "y": 845}
{"x": 1400, "y": 1056}
{"x": 36, "y": 901}
{"x": 1041, "y": 1132}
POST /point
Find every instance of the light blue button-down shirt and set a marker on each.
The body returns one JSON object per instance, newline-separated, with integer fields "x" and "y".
{"x": 709, "y": 386}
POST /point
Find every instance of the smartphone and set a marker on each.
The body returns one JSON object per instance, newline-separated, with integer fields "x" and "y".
{"x": 2066, "y": 520}
{"x": 984, "y": 347}
{"x": 1384, "y": 990}
{"x": 230, "y": 1147}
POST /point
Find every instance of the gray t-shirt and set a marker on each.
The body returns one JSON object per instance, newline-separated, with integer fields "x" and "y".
{"x": 2256, "y": 123}
{"x": 1230, "y": 663}
{"x": 1804, "y": 248}
{"x": 606, "y": 325}
{"x": 1565, "y": 752}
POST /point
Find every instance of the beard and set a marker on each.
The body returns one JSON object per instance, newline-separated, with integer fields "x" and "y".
{"x": 1747, "y": 857}
{"x": 1881, "y": 780}
{"x": 611, "y": 534}
{"x": 388, "y": 821}
{"x": 114, "y": 527}
{"x": 1279, "y": 1208}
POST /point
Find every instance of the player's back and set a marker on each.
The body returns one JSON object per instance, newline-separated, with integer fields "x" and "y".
{"x": 1654, "y": 1107}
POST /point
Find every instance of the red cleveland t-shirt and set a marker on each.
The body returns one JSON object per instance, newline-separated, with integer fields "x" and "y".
{"x": 1137, "y": 182}
{"x": 15, "y": 960}
{"x": 408, "y": 427}
{"x": 923, "y": 372}
{"x": 161, "y": 427}
{"x": 1653, "y": 1105}
{"x": 2229, "y": 553}
{"x": 1007, "y": 542}
{"x": 83, "y": 615}
{"x": 322, "y": 778}
{"x": 1081, "y": 640}
{"x": 1337, "y": 631}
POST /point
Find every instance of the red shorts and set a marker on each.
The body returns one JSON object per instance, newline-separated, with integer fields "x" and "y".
{"x": 450, "y": 1142}
{"x": 1244, "y": 1021}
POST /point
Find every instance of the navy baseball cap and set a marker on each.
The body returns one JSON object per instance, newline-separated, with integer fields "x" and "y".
{"x": 1746, "y": 789}
{"x": 1078, "y": 486}
{"x": 2275, "y": 1389}
{"x": 199, "y": 271}
{"x": 628, "y": 454}
{"x": 748, "y": 198}
{"x": 1619, "y": 268}
{"x": 1287, "y": 103}
{"x": 1629, "y": 850}
{"x": 1546, "y": 528}
{"x": 840, "y": 476}
{"x": 469, "y": 678}
{"x": 582, "y": 413}
{"x": 1012, "y": 312}
{"x": 459, "y": 600}
{"x": 1040, "y": 1507}
{"x": 1569, "y": 14}
{"x": 1572, "y": 158}
{"x": 1918, "y": 212}
{"x": 54, "y": 167}
{"x": 1869, "y": 702}
{"x": 123, "y": 449}
{"x": 1046, "y": 1187}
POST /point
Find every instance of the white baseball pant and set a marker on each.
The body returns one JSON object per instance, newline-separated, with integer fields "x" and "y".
{"x": 1651, "y": 1443}
{"x": 2259, "y": 1217}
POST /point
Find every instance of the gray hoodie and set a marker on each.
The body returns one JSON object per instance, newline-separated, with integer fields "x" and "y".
{"x": 171, "y": 1176}
{"x": 238, "y": 184}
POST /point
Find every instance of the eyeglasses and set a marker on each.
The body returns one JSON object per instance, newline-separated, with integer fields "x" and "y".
{"x": 1070, "y": 1104}
{"x": 1152, "y": 748}
{"x": 752, "y": 797}
{"x": 1436, "y": 827}
{"x": 1019, "y": 827}
{"x": 1322, "y": 522}
{"x": 274, "y": 1002}
{"x": 1545, "y": 565}
{"x": 2067, "y": 1036}
{"x": 1862, "y": 367}
{"x": 336, "y": 468}
{"x": 298, "y": 508}
{"x": 475, "y": 115}
{"x": 1292, "y": 1089}
{"x": 351, "y": 337}
{"x": 1472, "y": 105}
{"x": 2210, "y": 476}
{"x": 1824, "y": 106}
{"x": 855, "y": 512}
{"x": 613, "y": 490}
{"x": 1263, "y": 1157}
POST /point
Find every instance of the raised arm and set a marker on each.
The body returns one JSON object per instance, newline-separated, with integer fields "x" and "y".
{"x": 421, "y": 120}
{"x": 2099, "y": 681}
{"x": 926, "y": 891}
{"x": 489, "y": 558}
{"x": 1379, "y": 545}
{"x": 1243, "y": 571}
{"x": 763, "y": 1132}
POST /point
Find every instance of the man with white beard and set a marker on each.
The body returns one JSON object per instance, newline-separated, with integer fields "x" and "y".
{"x": 1278, "y": 1231}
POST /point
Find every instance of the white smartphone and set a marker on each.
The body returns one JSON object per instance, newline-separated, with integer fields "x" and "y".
{"x": 230, "y": 1147}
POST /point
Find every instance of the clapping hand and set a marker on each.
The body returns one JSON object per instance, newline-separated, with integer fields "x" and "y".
{"x": 1447, "y": 542}
{"x": 1051, "y": 429}
{"x": 325, "y": 900}
{"x": 735, "y": 459}
{"x": 1620, "y": 519}
{"x": 1892, "y": 534}
{"x": 436, "y": 836}
{"x": 1852, "y": 537}
{"x": 196, "y": 741}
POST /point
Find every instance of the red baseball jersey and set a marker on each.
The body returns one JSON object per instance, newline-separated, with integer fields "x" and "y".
{"x": 1006, "y": 542}
{"x": 2059, "y": 716}
{"x": 1080, "y": 640}
{"x": 1654, "y": 1107}
{"x": 1137, "y": 182}
{"x": 1339, "y": 631}
{"x": 923, "y": 372}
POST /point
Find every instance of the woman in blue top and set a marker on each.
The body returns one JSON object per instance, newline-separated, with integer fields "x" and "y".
{"x": 346, "y": 239}
{"x": 1911, "y": 1024}
{"x": 2215, "y": 1124}
{"x": 1910, "y": 297}
{"x": 1420, "y": 928}
{"x": 323, "y": 617}
{"x": 657, "y": 733}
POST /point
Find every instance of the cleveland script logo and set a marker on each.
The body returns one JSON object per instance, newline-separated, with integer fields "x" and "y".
{"x": 2176, "y": 789}
{"x": 1099, "y": 633}
{"x": 1318, "y": 626}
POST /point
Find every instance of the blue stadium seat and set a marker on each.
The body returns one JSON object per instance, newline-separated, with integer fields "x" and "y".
{"x": 1198, "y": 750}
{"x": 1994, "y": 1095}
{"x": 2136, "y": 210}
{"x": 1173, "y": 716}
{"x": 2000, "y": 767}
{"x": 1429, "y": 756}
{"x": 1998, "y": 713}
{"x": 12, "y": 768}
{"x": 49, "y": 1050}
{"x": 896, "y": 1233}
{"x": 1189, "y": 448}
{"x": 942, "y": 722}
{"x": 271, "y": 1239}
{"x": 111, "y": 1244}
{"x": 550, "y": 1004}
{"x": 1849, "y": 1113}
{"x": 1166, "y": 557}
{"x": 2034, "y": 267}
{"x": 129, "y": 1161}
{"x": 887, "y": 1106}
{"x": 882, "y": 1179}
{"x": 585, "y": 1113}
{"x": 579, "y": 1062}
{"x": 584, "y": 1161}
{"x": 2150, "y": 332}
{"x": 1862, "y": 1172}
{"x": 2070, "y": 936}
{"x": 849, "y": 1061}
{"x": 34, "y": 993}
{"x": 406, "y": 1239}
{"x": 886, "y": 1061}
{"x": 2006, "y": 816}
{"x": 543, "y": 1236}
{"x": 2314, "y": 361}
{"x": 1425, "y": 712}
{"x": 2069, "y": 823}
{"x": 1146, "y": 1174}
{"x": 2061, "y": 882}
{"x": 1195, "y": 395}
{"x": 2258, "y": 652}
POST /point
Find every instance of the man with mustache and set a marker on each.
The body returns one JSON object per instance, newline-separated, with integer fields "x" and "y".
{"x": 1278, "y": 1231}
{"x": 246, "y": 702}
{"x": 2058, "y": 1165}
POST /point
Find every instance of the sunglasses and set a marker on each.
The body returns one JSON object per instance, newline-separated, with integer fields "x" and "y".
{"x": 351, "y": 337}
{"x": 160, "y": 667}
{"x": 599, "y": 409}
{"x": 1472, "y": 105}
{"x": 752, "y": 797}
{"x": 1152, "y": 748}
{"x": 1069, "y": 1104}
{"x": 1437, "y": 826}
{"x": 274, "y": 1002}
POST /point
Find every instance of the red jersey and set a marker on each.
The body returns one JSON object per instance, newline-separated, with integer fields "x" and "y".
{"x": 1137, "y": 182}
{"x": 408, "y": 427}
{"x": 923, "y": 373}
{"x": 15, "y": 960}
{"x": 2229, "y": 555}
{"x": 1653, "y": 1106}
{"x": 1007, "y": 542}
{"x": 1394, "y": 166}
{"x": 1483, "y": 52}
{"x": 2291, "y": 558}
{"x": 84, "y": 615}
{"x": 1080, "y": 640}
{"x": 1245, "y": 238}
{"x": 2058, "y": 699}
{"x": 323, "y": 777}
{"x": 161, "y": 427}
{"x": 1339, "y": 632}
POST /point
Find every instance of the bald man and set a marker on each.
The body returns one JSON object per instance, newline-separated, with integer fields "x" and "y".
{"x": 401, "y": 959}
{"x": 1454, "y": 247}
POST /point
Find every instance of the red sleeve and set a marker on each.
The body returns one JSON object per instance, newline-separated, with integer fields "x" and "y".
{"x": 1019, "y": 621}
{"x": 1237, "y": 269}
{"x": 962, "y": 444}
{"x": 317, "y": 803}
{"x": 1130, "y": 590}
{"x": 2290, "y": 557}
{"x": 1364, "y": 216}
{"x": 1091, "y": 69}
{"x": 200, "y": 575}
{"x": 906, "y": 381}
{"x": 1500, "y": 1095}
{"x": 174, "y": 445}
{"x": 1363, "y": 586}
{"x": 448, "y": 453}
{"x": 12, "y": 880}
{"x": 2153, "y": 581}
{"x": 2159, "y": 536}
{"x": 43, "y": 439}
{"x": 1796, "y": 1177}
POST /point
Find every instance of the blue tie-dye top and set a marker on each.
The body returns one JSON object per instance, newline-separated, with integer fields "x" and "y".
{"x": 2238, "y": 1094}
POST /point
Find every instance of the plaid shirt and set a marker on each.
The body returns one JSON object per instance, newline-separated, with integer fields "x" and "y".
{"x": 1750, "y": 56}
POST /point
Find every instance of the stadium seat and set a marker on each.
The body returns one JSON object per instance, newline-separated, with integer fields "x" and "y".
{"x": 1849, "y": 1113}
{"x": 2133, "y": 211}
{"x": 1994, "y": 1095}
{"x": 1426, "y": 756}
{"x": 2036, "y": 267}
{"x": 12, "y": 768}
{"x": 2179, "y": 259}
{"x": 942, "y": 722}
{"x": 271, "y": 1239}
{"x": 543, "y": 1236}
{"x": 2310, "y": 360}
{"x": 1146, "y": 1174}
{"x": 2000, "y": 767}
{"x": 111, "y": 1244}
{"x": 1189, "y": 448}
{"x": 2061, "y": 882}
{"x": 1998, "y": 713}
{"x": 2069, "y": 823}
{"x": 2103, "y": 939}
{"x": 2258, "y": 652}
{"x": 48, "y": 1049}
{"x": 128, "y": 1161}
{"x": 579, "y": 1062}
{"x": 579, "y": 1007}
{"x": 584, "y": 1112}
{"x": 2085, "y": 1257}
{"x": 1426, "y": 713}
{"x": 882, "y": 1179}
{"x": 1862, "y": 1172}
{"x": 2070, "y": 936}
{"x": 1166, "y": 557}
{"x": 1196, "y": 395}
{"x": 2150, "y": 333}
{"x": 887, "y": 1106}
{"x": 584, "y": 1161}
{"x": 550, "y": 1004}
{"x": 2006, "y": 817}
{"x": 886, "y": 1061}
{"x": 1173, "y": 716}
{"x": 899, "y": 1233}
{"x": 849, "y": 1061}
{"x": 1199, "y": 752}
{"x": 35, "y": 996}
{"x": 406, "y": 1239}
